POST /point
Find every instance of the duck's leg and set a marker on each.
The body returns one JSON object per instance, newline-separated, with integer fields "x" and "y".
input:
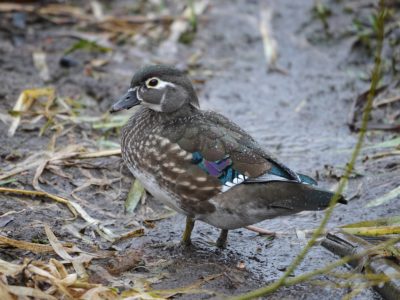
{"x": 186, "y": 241}
{"x": 221, "y": 242}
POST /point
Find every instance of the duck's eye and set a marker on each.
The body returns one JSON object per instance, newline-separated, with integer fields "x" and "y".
{"x": 152, "y": 82}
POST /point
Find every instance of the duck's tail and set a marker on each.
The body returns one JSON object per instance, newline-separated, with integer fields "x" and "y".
{"x": 316, "y": 198}
{"x": 325, "y": 196}
{"x": 300, "y": 196}
{"x": 292, "y": 196}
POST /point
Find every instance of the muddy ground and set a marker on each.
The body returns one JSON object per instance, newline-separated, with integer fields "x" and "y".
{"x": 298, "y": 109}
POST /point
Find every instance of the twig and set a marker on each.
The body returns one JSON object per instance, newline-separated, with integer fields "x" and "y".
{"x": 380, "y": 272}
{"x": 376, "y": 73}
{"x": 260, "y": 231}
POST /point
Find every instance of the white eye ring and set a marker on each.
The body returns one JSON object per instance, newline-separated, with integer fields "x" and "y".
{"x": 152, "y": 82}
{"x": 161, "y": 84}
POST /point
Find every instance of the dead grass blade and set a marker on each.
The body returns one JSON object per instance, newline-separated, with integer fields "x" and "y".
{"x": 385, "y": 154}
{"x": 24, "y": 102}
{"x": 74, "y": 207}
{"x": 386, "y": 101}
{"x": 169, "y": 213}
{"x": 269, "y": 43}
{"x": 100, "y": 229}
{"x": 377, "y": 227}
{"x": 373, "y": 231}
{"x": 41, "y": 160}
{"x": 99, "y": 293}
{"x": 41, "y": 194}
{"x": 39, "y": 60}
{"x": 22, "y": 291}
{"x": 77, "y": 262}
{"x": 54, "y": 277}
{"x": 26, "y": 165}
{"x": 99, "y": 182}
{"x": 130, "y": 234}
{"x": 51, "y": 280}
{"x": 109, "y": 122}
{"x": 194, "y": 288}
{"x": 10, "y": 269}
{"x": 395, "y": 220}
{"x": 60, "y": 284}
{"x": 97, "y": 154}
{"x": 136, "y": 193}
{"x": 59, "y": 268}
{"x": 38, "y": 173}
{"x": 4, "y": 294}
{"x": 7, "y": 181}
{"x": 385, "y": 198}
{"x": 60, "y": 10}
{"x": 33, "y": 247}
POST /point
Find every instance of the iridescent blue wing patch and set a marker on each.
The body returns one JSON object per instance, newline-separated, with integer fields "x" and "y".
{"x": 222, "y": 169}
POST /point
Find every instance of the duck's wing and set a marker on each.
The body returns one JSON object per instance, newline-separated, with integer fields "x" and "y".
{"x": 224, "y": 151}
{"x": 222, "y": 156}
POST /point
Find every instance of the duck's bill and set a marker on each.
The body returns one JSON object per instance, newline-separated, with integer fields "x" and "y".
{"x": 126, "y": 101}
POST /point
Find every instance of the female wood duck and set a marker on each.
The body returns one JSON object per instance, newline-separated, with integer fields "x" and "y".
{"x": 201, "y": 164}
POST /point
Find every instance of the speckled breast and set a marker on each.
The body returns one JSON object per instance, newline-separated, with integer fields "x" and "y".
{"x": 164, "y": 168}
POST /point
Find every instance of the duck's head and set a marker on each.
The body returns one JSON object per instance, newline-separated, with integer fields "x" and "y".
{"x": 160, "y": 88}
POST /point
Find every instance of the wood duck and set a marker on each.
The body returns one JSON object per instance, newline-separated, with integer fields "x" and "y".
{"x": 201, "y": 164}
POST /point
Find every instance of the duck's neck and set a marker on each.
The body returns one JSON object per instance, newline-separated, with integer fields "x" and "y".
{"x": 184, "y": 111}
{"x": 145, "y": 113}
{"x": 145, "y": 121}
